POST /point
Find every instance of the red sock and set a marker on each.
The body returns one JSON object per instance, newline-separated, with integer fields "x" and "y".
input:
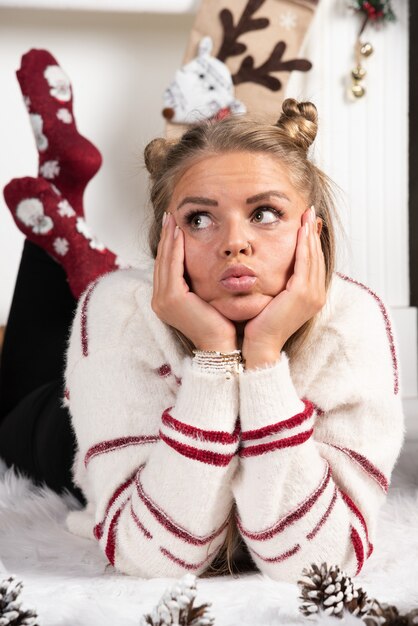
{"x": 66, "y": 158}
{"x": 49, "y": 221}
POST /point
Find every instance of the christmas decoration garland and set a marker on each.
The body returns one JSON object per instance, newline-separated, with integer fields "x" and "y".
{"x": 374, "y": 10}
{"x": 375, "y": 13}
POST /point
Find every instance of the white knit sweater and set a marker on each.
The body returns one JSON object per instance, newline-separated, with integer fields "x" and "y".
{"x": 162, "y": 454}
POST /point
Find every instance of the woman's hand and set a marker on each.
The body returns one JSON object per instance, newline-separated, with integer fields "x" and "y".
{"x": 305, "y": 294}
{"x": 176, "y": 305}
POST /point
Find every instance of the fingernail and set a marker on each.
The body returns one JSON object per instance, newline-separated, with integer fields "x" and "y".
{"x": 164, "y": 217}
{"x": 176, "y": 232}
{"x": 313, "y": 214}
{"x": 306, "y": 228}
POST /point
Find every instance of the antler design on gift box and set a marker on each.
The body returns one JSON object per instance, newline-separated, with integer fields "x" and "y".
{"x": 230, "y": 46}
{"x": 261, "y": 74}
{"x": 247, "y": 71}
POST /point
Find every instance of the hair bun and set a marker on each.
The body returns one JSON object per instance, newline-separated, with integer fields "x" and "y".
{"x": 155, "y": 155}
{"x": 299, "y": 121}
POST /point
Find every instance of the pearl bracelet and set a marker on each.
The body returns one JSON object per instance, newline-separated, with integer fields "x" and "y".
{"x": 214, "y": 361}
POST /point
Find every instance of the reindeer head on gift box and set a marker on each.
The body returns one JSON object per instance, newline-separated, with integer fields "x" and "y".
{"x": 201, "y": 89}
{"x": 204, "y": 87}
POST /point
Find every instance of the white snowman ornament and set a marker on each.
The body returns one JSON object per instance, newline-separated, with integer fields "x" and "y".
{"x": 201, "y": 89}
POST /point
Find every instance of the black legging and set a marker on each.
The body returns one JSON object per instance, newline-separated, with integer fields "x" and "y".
{"x": 35, "y": 431}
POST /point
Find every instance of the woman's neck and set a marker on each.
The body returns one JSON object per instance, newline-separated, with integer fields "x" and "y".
{"x": 240, "y": 326}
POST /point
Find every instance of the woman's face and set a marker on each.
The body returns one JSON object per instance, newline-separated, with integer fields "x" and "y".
{"x": 224, "y": 202}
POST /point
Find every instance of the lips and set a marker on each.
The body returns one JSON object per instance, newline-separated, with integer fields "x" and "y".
{"x": 237, "y": 271}
{"x": 238, "y": 278}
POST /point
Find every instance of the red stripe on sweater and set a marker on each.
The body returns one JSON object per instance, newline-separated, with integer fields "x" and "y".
{"x": 291, "y": 517}
{"x": 262, "y": 448}
{"x": 111, "y": 535}
{"x": 353, "y": 507}
{"x": 365, "y": 464}
{"x": 98, "y": 529}
{"x": 204, "y": 456}
{"x": 280, "y": 557}
{"x": 358, "y": 549}
{"x": 139, "y": 524}
{"x": 273, "y": 429}
{"x": 169, "y": 524}
{"x": 325, "y": 516}
{"x": 214, "y": 436}
{"x": 116, "y": 444}
{"x": 188, "y": 566}
{"x": 388, "y": 327}
{"x": 84, "y": 333}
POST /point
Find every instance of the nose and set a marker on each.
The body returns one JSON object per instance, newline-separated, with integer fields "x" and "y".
{"x": 168, "y": 113}
{"x": 236, "y": 242}
{"x": 235, "y": 250}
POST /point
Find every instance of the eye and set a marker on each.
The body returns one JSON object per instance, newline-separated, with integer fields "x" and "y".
{"x": 197, "y": 220}
{"x": 201, "y": 76}
{"x": 267, "y": 215}
{"x": 211, "y": 87}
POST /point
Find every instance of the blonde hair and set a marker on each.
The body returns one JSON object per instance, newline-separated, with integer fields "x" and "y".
{"x": 289, "y": 141}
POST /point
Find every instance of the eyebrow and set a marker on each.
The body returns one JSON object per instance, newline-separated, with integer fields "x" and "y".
{"x": 197, "y": 200}
{"x": 267, "y": 194}
{"x": 209, "y": 202}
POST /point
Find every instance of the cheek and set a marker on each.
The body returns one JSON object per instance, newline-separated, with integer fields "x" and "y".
{"x": 279, "y": 255}
{"x": 194, "y": 261}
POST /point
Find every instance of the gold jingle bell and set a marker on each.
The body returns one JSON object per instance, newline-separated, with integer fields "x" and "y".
{"x": 366, "y": 49}
{"x": 358, "y": 73}
{"x": 358, "y": 90}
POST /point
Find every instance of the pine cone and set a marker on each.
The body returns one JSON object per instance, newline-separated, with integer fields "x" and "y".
{"x": 11, "y": 613}
{"x": 176, "y": 607}
{"x": 331, "y": 590}
{"x": 382, "y": 613}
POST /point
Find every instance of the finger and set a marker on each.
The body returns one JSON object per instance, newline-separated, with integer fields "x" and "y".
{"x": 313, "y": 250}
{"x": 177, "y": 260}
{"x": 321, "y": 260}
{"x": 301, "y": 270}
{"x": 166, "y": 253}
{"x": 157, "y": 264}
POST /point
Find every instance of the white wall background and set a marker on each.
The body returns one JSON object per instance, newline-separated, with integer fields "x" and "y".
{"x": 119, "y": 65}
{"x": 120, "y": 62}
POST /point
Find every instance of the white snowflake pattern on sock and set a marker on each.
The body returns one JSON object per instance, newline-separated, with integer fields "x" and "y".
{"x": 288, "y": 20}
{"x": 37, "y": 127}
{"x": 31, "y": 213}
{"x": 61, "y": 246}
{"x": 65, "y": 209}
{"x": 49, "y": 169}
{"x": 64, "y": 116}
{"x": 84, "y": 230}
{"x": 59, "y": 83}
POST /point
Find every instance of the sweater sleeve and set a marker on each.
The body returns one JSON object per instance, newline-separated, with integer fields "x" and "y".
{"x": 312, "y": 478}
{"x": 157, "y": 463}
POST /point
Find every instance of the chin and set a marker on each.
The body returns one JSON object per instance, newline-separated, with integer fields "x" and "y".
{"x": 241, "y": 308}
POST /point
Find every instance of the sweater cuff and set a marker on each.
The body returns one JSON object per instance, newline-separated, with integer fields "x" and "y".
{"x": 207, "y": 400}
{"x": 268, "y": 396}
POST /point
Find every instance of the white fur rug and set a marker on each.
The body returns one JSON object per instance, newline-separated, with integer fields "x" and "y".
{"x": 67, "y": 581}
